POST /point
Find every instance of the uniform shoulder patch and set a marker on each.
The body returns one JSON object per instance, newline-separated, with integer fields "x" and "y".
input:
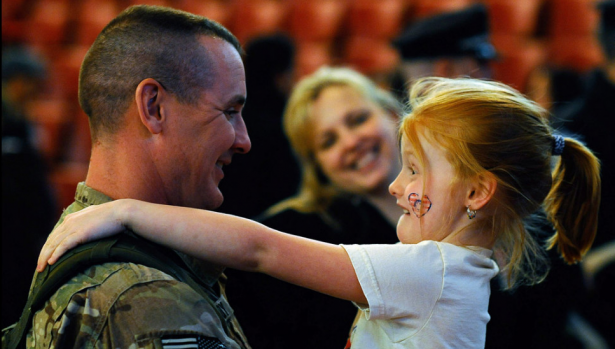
{"x": 191, "y": 341}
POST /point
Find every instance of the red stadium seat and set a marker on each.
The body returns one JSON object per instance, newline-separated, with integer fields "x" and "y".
{"x": 370, "y": 56}
{"x": 47, "y": 24}
{"x": 311, "y": 56}
{"x": 218, "y": 10}
{"x": 513, "y": 16}
{"x": 316, "y": 20}
{"x": 577, "y": 52}
{"x": 519, "y": 56}
{"x": 49, "y": 119}
{"x": 376, "y": 19}
{"x": 67, "y": 66}
{"x": 150, "y": 2}
{"x": 257, "y": 17}
{"x": 426, "y": 8}
{"x": 573, "y": 17}
{"x": 93, "y": 16}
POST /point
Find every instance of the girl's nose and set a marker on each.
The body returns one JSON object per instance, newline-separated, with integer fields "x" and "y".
{"x": 395, "y": 188}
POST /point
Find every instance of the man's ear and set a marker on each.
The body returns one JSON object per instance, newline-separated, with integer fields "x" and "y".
{"x": 149, "y": 95}
{"x": 481, "y": 190}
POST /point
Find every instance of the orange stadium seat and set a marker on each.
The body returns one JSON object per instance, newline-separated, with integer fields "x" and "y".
{"x": 67, "y": 66}
{"x": 257, "y": 17}
{"x": 377, "y": 19}
{"x": 513, "y": 16}
{"x": 93, "y": 16}
{"x": 150, "y": 2}
{"x": 48, "y": 117}
{"x": 577, "y": 52}
{"x": 518, "y": 57}
{"x": 573, "y": 17}
{"x": 370, "y": 56}
{"x": 316, "y": 20}
{"x": 11, "y": 9}
{"x": 47, "y": 24}
{"x": 311, "y": 56}
{"x": 218, "y": 10}
{"x": 426, "y": 8}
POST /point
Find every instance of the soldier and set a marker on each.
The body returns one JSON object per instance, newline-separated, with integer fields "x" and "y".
{"x": 449, "y": 44}
{"x": 163, "y": 90}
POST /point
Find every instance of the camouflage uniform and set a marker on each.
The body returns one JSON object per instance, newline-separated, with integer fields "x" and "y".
{"x": 125, "y": 305}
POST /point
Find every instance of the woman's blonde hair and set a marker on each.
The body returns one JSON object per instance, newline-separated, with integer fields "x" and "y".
{"x": 316, "y": 191}
{"x": 489, "y": 129}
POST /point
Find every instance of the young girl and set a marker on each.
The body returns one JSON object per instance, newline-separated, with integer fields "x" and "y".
{"x": 477, "y": 159}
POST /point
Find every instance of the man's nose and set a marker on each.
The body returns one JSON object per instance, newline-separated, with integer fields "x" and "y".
{"x": 242, "y": 143}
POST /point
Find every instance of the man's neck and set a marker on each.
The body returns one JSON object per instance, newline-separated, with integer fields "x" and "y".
{"x": 119, "y": 172}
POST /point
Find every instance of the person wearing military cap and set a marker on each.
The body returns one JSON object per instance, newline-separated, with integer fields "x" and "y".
{"x": 449, "y": 44}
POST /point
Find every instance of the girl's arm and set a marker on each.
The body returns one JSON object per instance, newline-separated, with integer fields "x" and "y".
{"x": 227, "y": 240}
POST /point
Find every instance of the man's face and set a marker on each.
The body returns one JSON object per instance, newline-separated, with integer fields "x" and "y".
{"x": 201, "y": 139}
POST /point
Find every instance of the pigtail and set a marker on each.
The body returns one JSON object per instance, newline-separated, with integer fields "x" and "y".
{"x": 573, "y": 201}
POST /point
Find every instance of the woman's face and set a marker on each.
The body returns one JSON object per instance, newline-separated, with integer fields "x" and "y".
{"x": 355, "y": 140}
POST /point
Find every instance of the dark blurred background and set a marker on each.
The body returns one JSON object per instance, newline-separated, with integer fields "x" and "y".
{"x": 544, "y": 48}
{"x": 528, "y": 35}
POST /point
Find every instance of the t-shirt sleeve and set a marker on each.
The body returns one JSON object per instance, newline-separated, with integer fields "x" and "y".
{"x": 398, "y": 280}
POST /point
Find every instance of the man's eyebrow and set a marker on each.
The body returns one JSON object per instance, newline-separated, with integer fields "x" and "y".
{"x": 237, "y": 100}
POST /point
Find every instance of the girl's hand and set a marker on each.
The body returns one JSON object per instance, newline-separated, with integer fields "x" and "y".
{"x": 92, "y": 223}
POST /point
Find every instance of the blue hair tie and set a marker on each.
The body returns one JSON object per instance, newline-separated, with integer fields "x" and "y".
{"x": 558, "y": 145}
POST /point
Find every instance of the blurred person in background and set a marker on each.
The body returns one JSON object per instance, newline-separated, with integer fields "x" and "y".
{"x": 342, "y": 127}
{"x": 554, "y": 89}
{"x": 450, "y": 44}
{"x": 591, "y": 117}
{"x": 270, "y": 75}
{"x": 26, "y": 192}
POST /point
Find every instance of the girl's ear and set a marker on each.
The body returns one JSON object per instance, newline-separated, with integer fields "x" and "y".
{"x": 481, "y": 190}
{"x": 149, "y": 96}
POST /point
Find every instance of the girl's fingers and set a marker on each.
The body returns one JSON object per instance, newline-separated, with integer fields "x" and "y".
{"x": 94, "y": 222}
{"x": 47, "y": 251}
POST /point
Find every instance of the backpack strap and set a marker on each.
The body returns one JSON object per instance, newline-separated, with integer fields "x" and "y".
{"x": 125, "y": 248}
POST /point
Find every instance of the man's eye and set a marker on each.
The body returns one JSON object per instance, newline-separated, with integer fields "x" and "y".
{"x": 230, "y": 113}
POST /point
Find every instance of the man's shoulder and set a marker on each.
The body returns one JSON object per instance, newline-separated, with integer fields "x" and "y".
{"x": 101, "y": 283}
{"x": 118, "y": 301}
{"x": 112, "y": 274}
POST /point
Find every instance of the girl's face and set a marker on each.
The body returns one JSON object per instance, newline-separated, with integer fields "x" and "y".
{"x": 434, "y": 206}
{"x": 355, "y": 140}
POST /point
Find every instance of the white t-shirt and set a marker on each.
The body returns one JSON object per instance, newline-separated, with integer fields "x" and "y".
{"x": 426, "y": 295}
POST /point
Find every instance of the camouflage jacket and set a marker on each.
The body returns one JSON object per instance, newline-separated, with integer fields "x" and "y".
{"x": 126, "y": 305}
